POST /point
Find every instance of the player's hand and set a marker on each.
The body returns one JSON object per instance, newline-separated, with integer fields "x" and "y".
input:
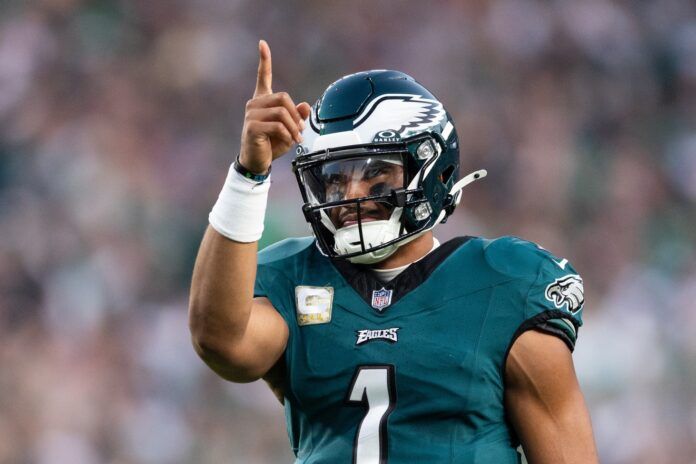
{"x": 272, "y": 123}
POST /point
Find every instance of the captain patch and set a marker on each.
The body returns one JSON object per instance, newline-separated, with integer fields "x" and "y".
{"x": 313, "y": 304}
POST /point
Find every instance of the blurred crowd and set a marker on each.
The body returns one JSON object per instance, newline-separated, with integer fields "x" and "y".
{"x": 119, "y": 119}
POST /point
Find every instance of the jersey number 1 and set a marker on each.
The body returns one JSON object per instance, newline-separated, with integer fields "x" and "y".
{"x": 372, "y": 387}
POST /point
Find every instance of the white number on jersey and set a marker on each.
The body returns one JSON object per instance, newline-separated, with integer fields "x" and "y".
{"x": 372, "y": 387}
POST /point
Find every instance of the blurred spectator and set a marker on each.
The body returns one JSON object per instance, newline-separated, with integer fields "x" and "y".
{"x": 118, "y": 120}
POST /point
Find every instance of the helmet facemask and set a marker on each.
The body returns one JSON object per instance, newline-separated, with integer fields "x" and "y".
{"x": 365, "y": 201}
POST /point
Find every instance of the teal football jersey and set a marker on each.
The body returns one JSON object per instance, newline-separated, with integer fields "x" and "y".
{"x": 411, "y": 371}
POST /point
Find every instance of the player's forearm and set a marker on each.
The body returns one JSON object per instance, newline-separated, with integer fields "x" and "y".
{"x": 221, "y": 294}
{"x": 558, "y": 437}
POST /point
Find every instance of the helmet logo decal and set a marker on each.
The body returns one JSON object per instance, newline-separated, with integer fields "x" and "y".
{"x": 410, "y": 114}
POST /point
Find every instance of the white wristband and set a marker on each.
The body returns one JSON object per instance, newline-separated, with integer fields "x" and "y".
{"x": 239, "y": 211}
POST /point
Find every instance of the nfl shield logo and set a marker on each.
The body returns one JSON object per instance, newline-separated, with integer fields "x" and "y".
{"x": 381, "y": 298}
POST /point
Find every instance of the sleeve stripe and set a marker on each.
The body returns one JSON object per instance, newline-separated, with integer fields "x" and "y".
{"x": 570, "y": 326}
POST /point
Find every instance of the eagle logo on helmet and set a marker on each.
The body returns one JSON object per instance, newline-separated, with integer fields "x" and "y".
{"x": 410, "y": 114}
{"x": 567, "y": 291}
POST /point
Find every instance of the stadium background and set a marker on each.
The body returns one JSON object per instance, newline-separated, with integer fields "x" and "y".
{"x": 118, "y": 120}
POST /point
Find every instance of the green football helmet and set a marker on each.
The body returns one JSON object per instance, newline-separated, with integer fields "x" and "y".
{"x": 378, "y": 165}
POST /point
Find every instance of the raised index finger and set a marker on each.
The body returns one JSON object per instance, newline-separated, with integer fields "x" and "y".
{"x": 263, "y": 80}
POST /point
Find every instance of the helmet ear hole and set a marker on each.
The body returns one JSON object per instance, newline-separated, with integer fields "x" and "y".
{"x": 447, "y": 174}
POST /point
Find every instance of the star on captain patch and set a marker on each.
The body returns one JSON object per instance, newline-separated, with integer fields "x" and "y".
{"x": 381, "y": 298}
{"x": 313, "y": 304}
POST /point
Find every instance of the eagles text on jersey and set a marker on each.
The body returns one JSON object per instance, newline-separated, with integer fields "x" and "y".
{"x": 419, "y": 379}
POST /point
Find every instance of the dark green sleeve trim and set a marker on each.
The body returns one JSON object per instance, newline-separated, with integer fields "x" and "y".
{"x": 541, "y": 322}
{"x": 551, "y": 329}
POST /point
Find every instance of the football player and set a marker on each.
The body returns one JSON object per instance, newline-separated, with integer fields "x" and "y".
{"x": 384, "y": 345}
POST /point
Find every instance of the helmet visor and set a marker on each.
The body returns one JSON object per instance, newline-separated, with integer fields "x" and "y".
{"x": 352, "y": 179}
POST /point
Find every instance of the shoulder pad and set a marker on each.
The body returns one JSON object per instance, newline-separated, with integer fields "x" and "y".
{"x": 515, "y": 257}
{"x": 284, "y": 249}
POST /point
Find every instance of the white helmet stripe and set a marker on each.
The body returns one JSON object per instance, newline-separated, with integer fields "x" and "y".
{"x": 447, "y": 130}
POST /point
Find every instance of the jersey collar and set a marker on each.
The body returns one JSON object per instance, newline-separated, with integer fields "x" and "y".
{"x": 363, "y": 280}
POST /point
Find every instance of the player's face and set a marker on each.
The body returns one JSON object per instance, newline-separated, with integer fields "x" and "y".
{"x": 356, "y": 178}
